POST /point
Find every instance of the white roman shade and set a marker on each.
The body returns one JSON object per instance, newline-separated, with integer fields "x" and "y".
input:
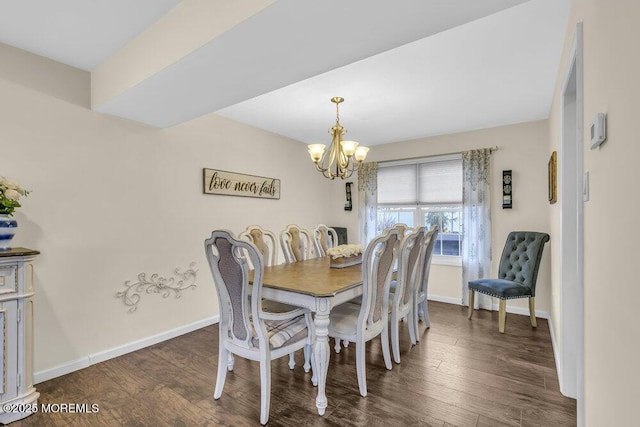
{"x": 397, "y": 185}
{"x": 440, "y": 182}
{"x": 426, "y": 182}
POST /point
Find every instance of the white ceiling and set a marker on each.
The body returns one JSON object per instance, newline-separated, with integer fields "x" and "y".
{"x": 407, "y": 69}
{"x": 81, "y": 33}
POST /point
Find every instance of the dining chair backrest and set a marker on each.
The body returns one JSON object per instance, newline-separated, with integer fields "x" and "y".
{"x": 378, "y": 260}
{"x": 297, "y": 244}
{"x": 409, "y": 271}
{"x": 403, "y": 228}
{"x": 228, "y": 258}
{"x": 429, "y": 243}
{"x": 265, "y": 241}
{"x": 324, "y": 238}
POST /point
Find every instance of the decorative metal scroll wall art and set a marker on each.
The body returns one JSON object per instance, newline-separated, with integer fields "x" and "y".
{"x": 157, "y": 284}
{"x": 238, "y": 184}
{"x": 507, "y": 190}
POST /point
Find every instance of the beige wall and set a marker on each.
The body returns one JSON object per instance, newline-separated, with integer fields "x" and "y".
{"x": 112, "y": 199}
{"x": 523, "y": 148}
{"x": 611, "y": 70}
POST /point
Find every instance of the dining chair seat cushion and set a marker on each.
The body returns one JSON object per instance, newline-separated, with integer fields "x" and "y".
{"x": 281, "y": 332}
{"x": 500, "y": 288}
{"x": 343, "y": 319}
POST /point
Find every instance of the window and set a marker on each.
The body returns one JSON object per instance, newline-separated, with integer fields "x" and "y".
{"x": 423, "y": 192}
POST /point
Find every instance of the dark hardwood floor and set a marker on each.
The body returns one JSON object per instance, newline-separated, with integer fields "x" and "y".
{"x": 461, "y": 373}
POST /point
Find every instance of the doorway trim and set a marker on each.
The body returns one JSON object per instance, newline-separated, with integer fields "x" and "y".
{"x": 571, "y": 372}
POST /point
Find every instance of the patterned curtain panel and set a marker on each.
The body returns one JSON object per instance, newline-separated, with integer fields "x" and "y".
{"x": 476, "y": 220}
{"x": 368, "y": 201}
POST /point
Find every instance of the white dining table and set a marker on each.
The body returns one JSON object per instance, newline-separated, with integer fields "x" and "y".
{"x": 314, "y": 285}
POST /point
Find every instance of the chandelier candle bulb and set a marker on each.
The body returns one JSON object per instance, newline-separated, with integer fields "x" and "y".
{"x": 349, "y": 147}
{"x": 316, "y": 151}
{"x": 361, "y": 153}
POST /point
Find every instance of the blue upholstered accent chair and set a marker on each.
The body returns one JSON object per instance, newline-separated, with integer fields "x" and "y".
{"x": 517, "y": 273}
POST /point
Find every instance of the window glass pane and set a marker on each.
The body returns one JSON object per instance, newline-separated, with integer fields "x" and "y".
{"x": 440, "y": 182}
{"x": 388, "y": 217}
{"x": 397, "y": 184}
{"x": 448, "y": 220}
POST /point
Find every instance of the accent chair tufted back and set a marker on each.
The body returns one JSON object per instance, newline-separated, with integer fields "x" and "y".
{"x": 521, "y": 257}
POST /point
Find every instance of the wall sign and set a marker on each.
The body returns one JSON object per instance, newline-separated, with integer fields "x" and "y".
{"x": 238, "y": 184}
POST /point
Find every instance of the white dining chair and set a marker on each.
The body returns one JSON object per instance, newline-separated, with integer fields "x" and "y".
{"x": 246, "y": 330}
{"x": 266, "y": 242}
{"x": 297, "y": 243}
{"x": 407, "y": 278}
{"x": 401, "y": 227}
{"x": 324, "y": 238}
{"x": 360, "y": 323}
{"x": 420, "y": 302}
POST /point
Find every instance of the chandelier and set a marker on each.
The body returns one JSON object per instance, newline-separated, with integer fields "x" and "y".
{"x": 343, "y": 158}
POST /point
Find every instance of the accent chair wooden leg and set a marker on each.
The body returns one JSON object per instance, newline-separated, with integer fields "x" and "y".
{"x": 471, "y": 302}
{"x": 503, "y": 315}
{"x": 532, "y": 311}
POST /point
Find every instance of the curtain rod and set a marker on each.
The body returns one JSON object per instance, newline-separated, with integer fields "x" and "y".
{"x": 492, "y": 149}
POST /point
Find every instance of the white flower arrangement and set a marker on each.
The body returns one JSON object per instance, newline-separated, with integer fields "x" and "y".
{"x": 10, "y": 192}
{"x": 345, "y": 251}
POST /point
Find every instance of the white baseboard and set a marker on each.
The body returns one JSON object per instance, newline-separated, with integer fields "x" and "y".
{"x": 448, "y": 300}
{"x": 92, "y": 359}
{"x": 556, "y": 357}
{"x": 521, "y": 310}
{"x": 515, "y": 310}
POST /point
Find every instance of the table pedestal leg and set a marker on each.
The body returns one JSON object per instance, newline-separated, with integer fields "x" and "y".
{"x": 321, "y": 351}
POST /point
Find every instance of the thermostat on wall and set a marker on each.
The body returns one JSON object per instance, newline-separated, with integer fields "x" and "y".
{"x": 598, "y": 130}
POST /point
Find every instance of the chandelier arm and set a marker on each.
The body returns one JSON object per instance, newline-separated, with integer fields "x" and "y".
{"x": 326, "y": 172}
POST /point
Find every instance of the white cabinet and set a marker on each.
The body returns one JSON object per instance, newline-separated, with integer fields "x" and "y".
{"x": 17, "y": 393}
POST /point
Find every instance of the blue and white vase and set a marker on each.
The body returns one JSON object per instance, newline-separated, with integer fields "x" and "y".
{"x": 8, "y": 227}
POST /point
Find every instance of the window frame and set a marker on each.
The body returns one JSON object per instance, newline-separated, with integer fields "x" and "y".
{"x": 419, "y": 209}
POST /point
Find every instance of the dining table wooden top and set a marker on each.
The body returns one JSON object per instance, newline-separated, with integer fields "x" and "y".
{"x": 312, "y": 277}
